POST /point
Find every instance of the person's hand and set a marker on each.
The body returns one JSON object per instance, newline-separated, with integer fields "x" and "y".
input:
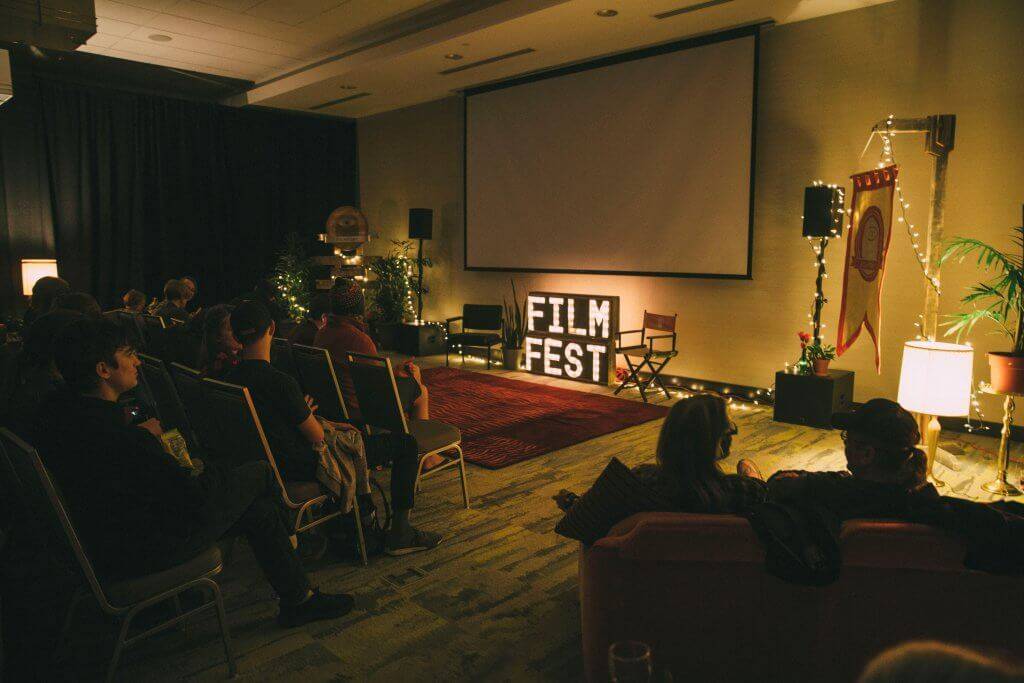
{"x": 412, "y": 370}
{"x": 564, "y": 499}
{"x": 311, "y": 403}
{"x": 153, "y": 426}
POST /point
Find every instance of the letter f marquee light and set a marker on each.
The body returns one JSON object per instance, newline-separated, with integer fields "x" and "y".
{"x": 571, "y": 336}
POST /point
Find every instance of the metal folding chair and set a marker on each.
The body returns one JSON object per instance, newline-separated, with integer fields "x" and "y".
{"x": 154, "y": 332}
{"x": 281, "y": 358}
{"x": 320, "y": 380}
{"x": 374, "y": 382}
{"x": 188, "y": 384}
{"x": 654, "y": 359}
{"x": 170, "y": 409}
{"x": 124, "y": 599}
{"x": 132, "y": 326}
{"x": 481, "y": 328}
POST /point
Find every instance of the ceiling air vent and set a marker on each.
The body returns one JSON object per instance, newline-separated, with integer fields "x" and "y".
{"x": 689, "y": 8}
{"x": 331, "y": 103}
{"x": 483, "y": 62}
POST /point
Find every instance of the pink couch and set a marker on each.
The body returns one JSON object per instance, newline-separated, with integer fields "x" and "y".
{"x": 694, "y": 588}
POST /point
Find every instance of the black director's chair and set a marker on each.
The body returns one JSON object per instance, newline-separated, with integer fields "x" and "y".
{"x": 654, "y": 359}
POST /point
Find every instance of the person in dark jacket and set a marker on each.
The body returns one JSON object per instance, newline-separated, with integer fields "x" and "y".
{"x": 44, "y": 291}
{"x": 305, "y": 332}
{"x": 175, "y": 299}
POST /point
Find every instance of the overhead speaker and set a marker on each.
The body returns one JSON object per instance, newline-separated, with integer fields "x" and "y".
{"x": 421, "y": 224}
{"x": 823, "y": 211}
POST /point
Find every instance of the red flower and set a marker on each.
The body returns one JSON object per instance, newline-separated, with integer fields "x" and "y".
{"x": 805, "y": 337}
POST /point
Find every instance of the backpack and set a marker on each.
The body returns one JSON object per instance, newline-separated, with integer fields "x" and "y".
{"x": 801, "y": 543}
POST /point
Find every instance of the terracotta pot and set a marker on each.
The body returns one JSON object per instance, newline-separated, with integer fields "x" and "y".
{"x": 821, "y": 366}
{"x": 1006, "y": 372}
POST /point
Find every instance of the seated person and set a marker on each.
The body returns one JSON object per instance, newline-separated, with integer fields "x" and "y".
{"x": 136, "y": 509}
{"x": 79, "y": 302}
{"x": 219, "y": 350}
{"x": 44, "y": 291}
{"x": 316, "y": 317}
{"x": 134, "y": 301}
{"x": 173, "y": 306}
{"x": 191, "y": 289}
{"x": 885, "y": 467}
{"x": 294, "y": 434}
{"x": 696, "y": 434}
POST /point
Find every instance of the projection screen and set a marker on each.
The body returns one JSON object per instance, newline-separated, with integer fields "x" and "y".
{"x": 637, "y": 164}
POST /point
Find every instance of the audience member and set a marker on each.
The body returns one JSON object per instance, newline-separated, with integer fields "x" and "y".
{"x": 136, "y": 509}
{"x": 44, "y": 291}
{"x": 885, "y": 467}
{"x": 134, "y": 301}
{"x": 191, "y": 289}
{"x": 173, "y": 306}
{"x": 80, "y": 302}
{"x": 316, "y": 318}
{"x": 294, "y": 434}
{"x": 696, "y": 435}
{"x": 220, "y": 350}
{"x": 932, "y": 662}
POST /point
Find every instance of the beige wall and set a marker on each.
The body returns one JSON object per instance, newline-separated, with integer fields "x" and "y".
{"x": 823, "y": 83}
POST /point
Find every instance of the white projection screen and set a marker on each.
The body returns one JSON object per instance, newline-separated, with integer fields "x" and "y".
{"x": 637, "y": 164}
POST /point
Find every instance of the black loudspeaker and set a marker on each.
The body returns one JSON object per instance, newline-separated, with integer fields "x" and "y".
{"x": 421, "y": 224}
{"x": 810, "y": 400}
{"x": 823, "y": 211}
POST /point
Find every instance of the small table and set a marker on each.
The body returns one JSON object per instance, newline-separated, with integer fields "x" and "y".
{"x": 1001, "y": 485}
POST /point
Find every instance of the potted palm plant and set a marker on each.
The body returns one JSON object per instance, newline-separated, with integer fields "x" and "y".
{"x": 512, "y": 331}
{"x": 1001, "y": 301}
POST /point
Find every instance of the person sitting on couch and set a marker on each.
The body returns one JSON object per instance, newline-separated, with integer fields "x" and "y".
{"x": 885, "y": 467}
{"x": 697, "y": 433}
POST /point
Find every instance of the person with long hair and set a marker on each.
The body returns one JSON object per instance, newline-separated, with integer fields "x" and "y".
{"x": 44, "y": 291}
{"x": 220, "y": 350}
{"x": 695, "y": 437}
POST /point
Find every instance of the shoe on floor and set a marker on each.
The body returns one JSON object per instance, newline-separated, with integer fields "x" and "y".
{"x": 413, "y": 542}
{"x": 319, "y": 606}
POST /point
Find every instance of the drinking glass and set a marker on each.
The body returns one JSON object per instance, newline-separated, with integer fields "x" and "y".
{"x": 629, "y": 661}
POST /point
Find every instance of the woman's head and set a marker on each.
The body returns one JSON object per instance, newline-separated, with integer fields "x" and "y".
{"x": 697, "y": 433}
{"x": 881, "y": 443}
{"x": 217, "y": 334}
{"x": 45, "y": 290}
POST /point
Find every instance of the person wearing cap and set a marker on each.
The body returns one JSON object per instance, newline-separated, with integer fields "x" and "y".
{"x": 295, "y": 435}
{"x": 885, "y": 468}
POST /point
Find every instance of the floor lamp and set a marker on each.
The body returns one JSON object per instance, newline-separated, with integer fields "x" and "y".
{"x": 421, "y": 227}
{"x": 935, "y": 381}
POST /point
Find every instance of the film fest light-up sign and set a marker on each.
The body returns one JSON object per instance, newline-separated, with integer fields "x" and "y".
{"x": 571, "y": 336}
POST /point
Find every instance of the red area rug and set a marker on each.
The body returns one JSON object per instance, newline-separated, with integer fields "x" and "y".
{"x": 505, "y": 421}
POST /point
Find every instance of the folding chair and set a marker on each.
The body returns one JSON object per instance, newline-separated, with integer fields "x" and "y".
{"x": 320, "y": 381}
{"x": 132, "y": 326}
{"x": 654, "y": 359}
{"x": 154, "y": 332}
{"x": 238, "y": 429}
{"x": 169, "y": 407}
{"x": 481, "y": 328}
{"x": 123, "y": 599}
{"x": 374, "y": 382}
{"x": 281, "y": 358}
{"x": 188, "y": 384}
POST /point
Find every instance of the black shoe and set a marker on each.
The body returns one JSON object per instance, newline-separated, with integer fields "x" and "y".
{"x": 319, "y": 606}
{"x": 412, "y": 542}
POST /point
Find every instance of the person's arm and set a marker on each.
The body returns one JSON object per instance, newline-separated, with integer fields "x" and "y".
{"x": 300, "y": 411}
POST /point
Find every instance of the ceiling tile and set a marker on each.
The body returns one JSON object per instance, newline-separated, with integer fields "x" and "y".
{"x": 102, "y": 40}
{"x": 198, "y": 11}
{"x": 151, "y": 5}
{"x": 233, "y": 5}
{"x": 181, "y": 25}
{"x": 108, "y": 9}
{"x": 112, "y": 27}
{"x": 294, "y": 12}
{"x": 216, "y": 48}
{"x": 196, "y": 59}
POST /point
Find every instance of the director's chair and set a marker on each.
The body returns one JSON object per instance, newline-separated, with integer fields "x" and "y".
{"x": 654, "y": 359}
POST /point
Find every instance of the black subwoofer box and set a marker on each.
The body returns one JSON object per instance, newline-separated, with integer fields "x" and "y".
{"x": 810, "y": 400}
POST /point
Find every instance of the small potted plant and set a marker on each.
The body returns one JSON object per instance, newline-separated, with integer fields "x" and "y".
{"x": 813, "y": 356}
{"x": 513, "y": 331}
{"x": 1003, "y": 303}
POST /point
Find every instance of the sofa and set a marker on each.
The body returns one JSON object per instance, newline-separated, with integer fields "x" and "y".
{"x": 695, "y": 589}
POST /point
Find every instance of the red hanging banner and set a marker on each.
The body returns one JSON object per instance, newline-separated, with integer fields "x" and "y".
{"x": 866, "y": 246}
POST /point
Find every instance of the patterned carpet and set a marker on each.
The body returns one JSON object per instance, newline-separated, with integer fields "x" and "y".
{"x": 506, "y": 421}
{"x": 497, "y": 601}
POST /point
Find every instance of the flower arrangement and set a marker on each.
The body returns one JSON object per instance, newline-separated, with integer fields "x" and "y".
{"x": 812, "y": 350}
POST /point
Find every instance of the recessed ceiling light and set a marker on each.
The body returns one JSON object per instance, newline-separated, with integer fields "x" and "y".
{"x": 160, "y": 38}
{"x": 606, "y": 12}
{"x": 453, "y": 55}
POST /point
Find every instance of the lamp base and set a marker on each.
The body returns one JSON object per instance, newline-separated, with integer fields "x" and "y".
{"x": 1002, "y": 488}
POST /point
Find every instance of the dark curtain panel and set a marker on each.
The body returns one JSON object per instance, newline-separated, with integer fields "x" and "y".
{"x": 145, "y": 188}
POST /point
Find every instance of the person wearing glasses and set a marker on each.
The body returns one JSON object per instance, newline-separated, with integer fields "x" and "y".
{"x": 885, "y": 468}
{"x": 696, "y": 435}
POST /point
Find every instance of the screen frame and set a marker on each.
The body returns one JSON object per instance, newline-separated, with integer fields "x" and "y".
{"x": 753, "y": 30}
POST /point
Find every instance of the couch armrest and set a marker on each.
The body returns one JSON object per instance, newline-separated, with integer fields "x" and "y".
{"x": 900, "y": 545}
{"x": 682, "y": 537}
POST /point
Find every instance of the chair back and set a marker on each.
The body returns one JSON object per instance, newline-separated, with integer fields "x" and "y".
{"x": 486, "y": 317}
{"x": 377, "y": 392}
{"x": 132, "y": 326}
{"x": 188, "y": 383}
{"x": 43, "y": 497}
{"x": 320, "y": 381}
{"x": 281, "y": 358}
{"x": 169, "y": 407}
{"x": 154, "y": 332}
{"x": 659, "y": 322}
{"x": 238, "y": 436}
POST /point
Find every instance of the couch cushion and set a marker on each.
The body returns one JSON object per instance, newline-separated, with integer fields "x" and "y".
{"x": 900, "y": 545}
{"x": 130, "y": 591}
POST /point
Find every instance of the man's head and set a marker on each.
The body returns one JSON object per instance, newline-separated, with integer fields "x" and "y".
{"x": 134, "y": 300}
{"x": 319, "y": 306}
{"x": 176, "y": 292}
{"x": 252, "y": 324}
{"x": 80, "y": 302}
{"x": 881, "y": 437}
{"x": 94, "y": 358}
{"x": 347, "y": 299}
{"x": 45, "y": 290}
{"x": 191, "y": 287}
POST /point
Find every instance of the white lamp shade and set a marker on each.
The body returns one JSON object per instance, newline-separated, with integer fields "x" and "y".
{"x": 936, "y": 378}
{"x": 35, "y": 269}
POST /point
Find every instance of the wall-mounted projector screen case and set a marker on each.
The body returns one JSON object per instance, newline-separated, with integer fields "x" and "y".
{"x": 637, "y": 164}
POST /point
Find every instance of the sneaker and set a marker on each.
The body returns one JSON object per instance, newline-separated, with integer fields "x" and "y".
{"x": 747, "y": 468}
{"x": 319, "y": 606}
{"x": 413, "y": 542}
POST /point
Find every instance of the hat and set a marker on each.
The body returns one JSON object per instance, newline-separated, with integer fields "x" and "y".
{"x": 249, "y": 321}
{"x": 347, "y": 298}
{"x": 881, "y": 420}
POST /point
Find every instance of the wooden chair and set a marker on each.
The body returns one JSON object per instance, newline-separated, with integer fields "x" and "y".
{"x": 320, "y": 381}
{"x": 238, "y": 429}
{"x": 654, "y": 359}
{"x": 122, "y": 600}
{"x": 374, "y": 382}
{"x": 281, "y": 358}
{"x": 480, "y": 328}
{"x": 170, "y": 409}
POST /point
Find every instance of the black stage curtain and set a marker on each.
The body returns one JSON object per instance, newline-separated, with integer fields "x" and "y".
{"x": 144, "y": 188}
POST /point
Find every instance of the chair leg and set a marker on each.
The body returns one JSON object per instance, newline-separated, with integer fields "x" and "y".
{"x": 69, "y": 619}
{"x": 462, "y": 473}
{"x": 419, "y": 475}
{"x": 225, "y": 635}
{"x": 360, "y": 539}
{"x": 115, "y": 659}
{"x": 447, "y": 350}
